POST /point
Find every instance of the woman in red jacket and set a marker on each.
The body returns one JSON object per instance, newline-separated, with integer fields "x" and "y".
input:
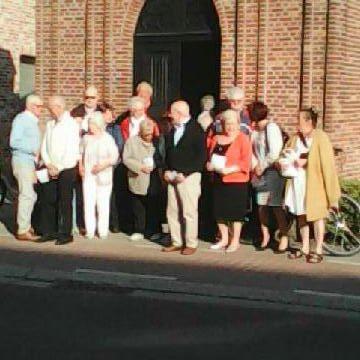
{"x": 230, "y": 160}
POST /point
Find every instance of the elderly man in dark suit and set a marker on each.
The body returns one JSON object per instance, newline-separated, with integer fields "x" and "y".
{"x": 185, "y": 159}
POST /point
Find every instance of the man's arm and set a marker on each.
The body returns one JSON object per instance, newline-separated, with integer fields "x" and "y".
{"x": 17, "y": 139}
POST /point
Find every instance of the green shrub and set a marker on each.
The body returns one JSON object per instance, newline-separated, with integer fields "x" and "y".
{"x": 351, "y": 187}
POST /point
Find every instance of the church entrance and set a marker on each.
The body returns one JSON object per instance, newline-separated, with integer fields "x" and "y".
{"x": 177, "y": 50}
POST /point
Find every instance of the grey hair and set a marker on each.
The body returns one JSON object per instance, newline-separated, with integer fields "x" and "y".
{"x": 229, "y": 115}
{"x": 91, "y": 89}
{"x": 146, "y": 86}
{"x": 235, "y": 93}
{"x": 59, "y": 101}
{"x": 33, "y": 100}
{"x": 136, "y": 102}
{"x": 97, "y": 119}
{"x": 146, "y": 124}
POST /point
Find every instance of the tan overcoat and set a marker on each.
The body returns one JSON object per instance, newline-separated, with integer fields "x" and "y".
{"x": 135, "y": 151}
{"x": 322, "y": 183}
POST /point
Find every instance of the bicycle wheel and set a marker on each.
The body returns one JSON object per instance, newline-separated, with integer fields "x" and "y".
{"x": 343, "y": 228}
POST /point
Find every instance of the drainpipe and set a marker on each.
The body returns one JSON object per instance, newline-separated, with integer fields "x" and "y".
{"x": 86, "y": 42}
{"x": 301, "y": 81}
{"x": 326, "y": 62}
{"x": 257, "y": 53}
{"x": 236, "y": 23}
{"x": 104, "y": 50}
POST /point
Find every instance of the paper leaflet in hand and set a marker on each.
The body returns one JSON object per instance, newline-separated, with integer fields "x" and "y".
{"x": 43, "y": 175}
{"x": 287, "y": 163}
{"x": 218, "y": 161}
{"x": 149, "y": 161}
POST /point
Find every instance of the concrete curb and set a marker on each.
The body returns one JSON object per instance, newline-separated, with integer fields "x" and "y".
{"x": 168, "y": 285}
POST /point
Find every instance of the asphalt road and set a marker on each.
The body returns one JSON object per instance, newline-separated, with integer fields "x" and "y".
{"x": 61, "y": 323}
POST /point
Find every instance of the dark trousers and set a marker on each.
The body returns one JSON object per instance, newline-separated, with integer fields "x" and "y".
{"x": 79, "y": 201}
{"x": 55, "y": 205}
{"x": 114, "y": 201}
{"x": 279, "y": 214}
{"x": 66, "y": 183}
{"x": 46, "y": 222}
{"x": 126, "y": 218}
{"x": 146, "y": 214}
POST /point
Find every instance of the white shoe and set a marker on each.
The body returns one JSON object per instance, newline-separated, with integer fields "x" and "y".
{"x": 232, "y": 249}
{"x": 217, "y": 246}
{"x": 136, "y": 237}
{"x": 89, "y": 237}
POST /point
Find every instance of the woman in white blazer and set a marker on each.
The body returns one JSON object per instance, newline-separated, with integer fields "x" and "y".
{"x": 99, "y": 154}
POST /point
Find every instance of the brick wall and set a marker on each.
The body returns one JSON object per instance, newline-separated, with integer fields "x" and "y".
{"x": 342, "y": 118}
{"x": 84, "y": 42}
{"x": 17, "y": 37}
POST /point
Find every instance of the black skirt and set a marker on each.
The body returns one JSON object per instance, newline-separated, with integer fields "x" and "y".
{"x": 231, "y": 201}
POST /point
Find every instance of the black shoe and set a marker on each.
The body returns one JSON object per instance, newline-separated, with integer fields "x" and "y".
{"x": 64, "y": 241}
{"x": 82, "y": 231}
{"x": 114, "y": 229}
{"x": 261, "y": 248}
{"x": 278, "y": 252}
{"x": 46, "y": 238}
{"x": 155, "y": 237}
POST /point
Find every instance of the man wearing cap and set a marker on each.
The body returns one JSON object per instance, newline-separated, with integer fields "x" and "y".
{"x": 83, "y": 111}
{"x": 25, "y": 147}
{"x": 236, "y": 99}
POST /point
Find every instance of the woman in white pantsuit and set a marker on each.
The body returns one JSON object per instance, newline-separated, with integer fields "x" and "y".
{"x": 99, "y": 154}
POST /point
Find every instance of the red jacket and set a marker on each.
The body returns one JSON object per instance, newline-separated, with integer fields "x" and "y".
{"x": 125, "y": 126}
{"x": 239, "y": 153}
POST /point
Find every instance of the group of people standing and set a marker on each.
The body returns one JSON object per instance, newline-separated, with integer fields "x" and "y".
{"x": 132, "y": 173}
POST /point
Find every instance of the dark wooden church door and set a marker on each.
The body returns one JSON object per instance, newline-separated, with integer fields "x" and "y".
{"x": 158, "y": 62}
{"x": 177, "y": 50}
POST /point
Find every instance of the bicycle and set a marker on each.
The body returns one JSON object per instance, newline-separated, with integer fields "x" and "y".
{"x": 342, "y": 236}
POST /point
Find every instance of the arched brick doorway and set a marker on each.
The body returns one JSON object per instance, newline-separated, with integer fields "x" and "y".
{"x": 177, "y": 49}
{"x": 120, "y": 32}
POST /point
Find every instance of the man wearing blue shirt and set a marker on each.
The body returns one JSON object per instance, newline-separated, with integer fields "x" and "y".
{"x": 25, "y": 147}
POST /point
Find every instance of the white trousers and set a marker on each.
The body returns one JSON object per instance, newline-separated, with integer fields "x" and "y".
{"x": 96, "y": 206}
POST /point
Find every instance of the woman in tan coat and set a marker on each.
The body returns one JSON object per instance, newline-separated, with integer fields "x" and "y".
{"x": 314, "y": 189}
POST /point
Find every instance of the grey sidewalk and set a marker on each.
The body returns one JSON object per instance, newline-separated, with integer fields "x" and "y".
{"x": 117, "y": 263}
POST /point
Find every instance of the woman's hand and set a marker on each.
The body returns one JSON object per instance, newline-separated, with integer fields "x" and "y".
{"x": 180, "y": 178}
{"x": 167, "y": 176}
{"x": 210, "y": 166}
{"x": 96, "y": 169}
{"x": 258, "y": 170}
{"x": 300, "y": 163}
{"x": 53, "y": 171}
{"x": 81, "y": 170}
{"x": 229, "y": 170}
{"x": 146, "y": 169}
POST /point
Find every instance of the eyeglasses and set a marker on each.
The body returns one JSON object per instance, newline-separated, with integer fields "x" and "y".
{"x": 90, "y": 97}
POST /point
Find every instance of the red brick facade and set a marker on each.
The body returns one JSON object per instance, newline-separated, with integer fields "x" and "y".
{"x": 17, "y": 38}
{"x": 289, "y": 53}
